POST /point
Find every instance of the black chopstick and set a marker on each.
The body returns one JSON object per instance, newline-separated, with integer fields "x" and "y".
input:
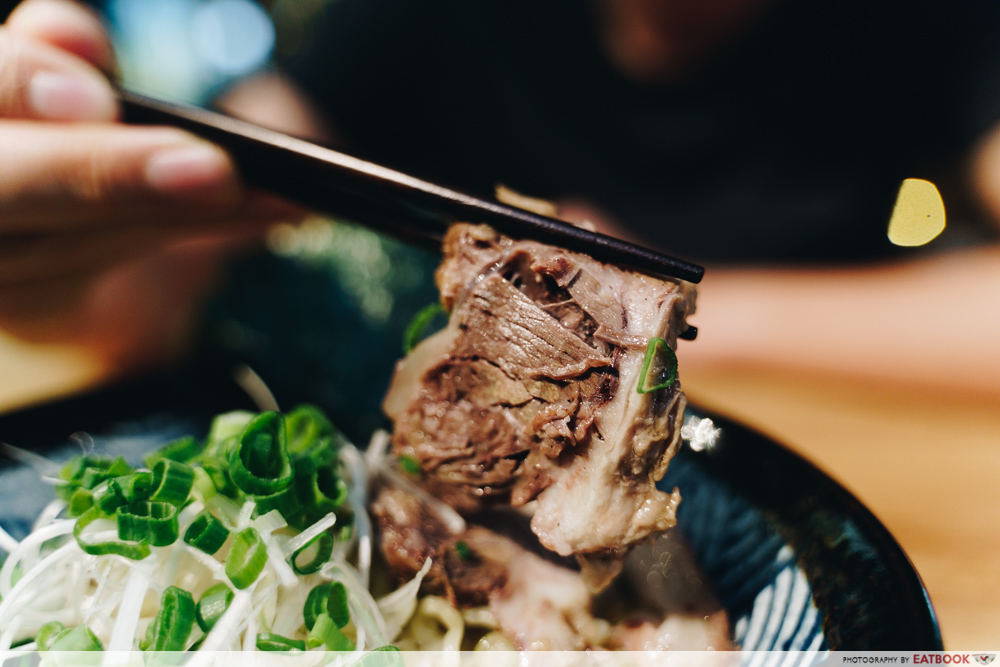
{"x": 390, "y": 201}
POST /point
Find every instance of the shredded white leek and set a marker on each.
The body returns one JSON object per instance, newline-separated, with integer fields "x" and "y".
{"x": 378, "y": 447}
{"x": 7, "y": 636}
{"x": 42, "y": 465}
{"x": 49, "y": 514}
{"x": 397, "y": 607}
{"x": 364, "y": 610}
{"x": 131, "y": 606}
{"x": 307, "y": 535}
{"x": 357, "y": 493}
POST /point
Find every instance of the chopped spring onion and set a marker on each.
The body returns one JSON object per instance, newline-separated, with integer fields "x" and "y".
{"x": 219, "y": 475}
{"x": 665, "y": 375}
{"x": 226, "y": 630}
{"x": 104, "y": 496}
{"x": 259, "y": 464}
{"x": 213, "y": 604}
{"x": 79, "y": 638}
{"x": 410, "y": 464}
{"x": 203, "y": 486}
{"x": 130, "y": 488}
{"x": 463, "y": 550}
{"x": 383, "y": 656}
{"x": 323, "y": 544}
{"x": 313, "y": 446}
{"x": 268, "y": 641}
{"x": 285, "y": 501}
{"x": 206, "y": 533}
{"x": 336, "y": 605}
{"x": 316, "y": 603}
{"x": 148, "y": 521}
{"x": 133, "y": 550}
{"x": 317, "y": 455}
{"x": 246, "y": 558}
{"x": 181, "y": 450}
{"x": 325, "y": 632}
{"x": 47, "y": 633}
{"x": 81, "y": 501}
{"x": 305, "y": 425}
{"x": 172, "y": 626}
{"x": 87, "y": 472}
{"x": 320, "y": 493}
{"x": 172, "y": 482}
{"x": 225, "y": 427}
{"x": 415, "y": 330}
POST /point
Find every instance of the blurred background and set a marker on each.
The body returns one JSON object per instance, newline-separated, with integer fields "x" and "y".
{"x": 320, "y": 316}
{"x": 191, "y": 49}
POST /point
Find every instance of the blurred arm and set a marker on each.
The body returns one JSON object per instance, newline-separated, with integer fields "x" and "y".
{"x": 932, "y": 321}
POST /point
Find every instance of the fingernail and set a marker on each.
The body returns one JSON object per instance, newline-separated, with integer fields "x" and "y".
{"x": 189, "y": 170}
{"x": 56, "y": 96}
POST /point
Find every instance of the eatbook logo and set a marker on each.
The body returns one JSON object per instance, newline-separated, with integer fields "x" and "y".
{"x": 985, "y": 658}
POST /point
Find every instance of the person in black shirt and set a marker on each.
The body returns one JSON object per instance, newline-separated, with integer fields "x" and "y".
{"x": 752, "y": 131}
{"x": 766, "y": 138}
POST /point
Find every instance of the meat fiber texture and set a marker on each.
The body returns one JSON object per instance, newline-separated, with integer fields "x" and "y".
{"x": 529, "y": 394}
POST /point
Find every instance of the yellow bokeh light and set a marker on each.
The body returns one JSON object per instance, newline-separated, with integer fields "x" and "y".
{"x": 918, "y": 216}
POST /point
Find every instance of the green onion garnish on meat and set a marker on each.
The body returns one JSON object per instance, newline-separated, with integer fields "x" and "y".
{"x": 415, "y": 331}
{"x": 659, "y": 367}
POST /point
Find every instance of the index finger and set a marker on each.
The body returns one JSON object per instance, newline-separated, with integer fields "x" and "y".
{"x": 68, "y": 26}
{"x": 40, "y": 82}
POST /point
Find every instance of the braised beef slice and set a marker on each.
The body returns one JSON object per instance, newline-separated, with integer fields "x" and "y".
{"x": 410, "y": 533}
{"x": 539, "y": 599}
{"x": 529, "y": 393}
